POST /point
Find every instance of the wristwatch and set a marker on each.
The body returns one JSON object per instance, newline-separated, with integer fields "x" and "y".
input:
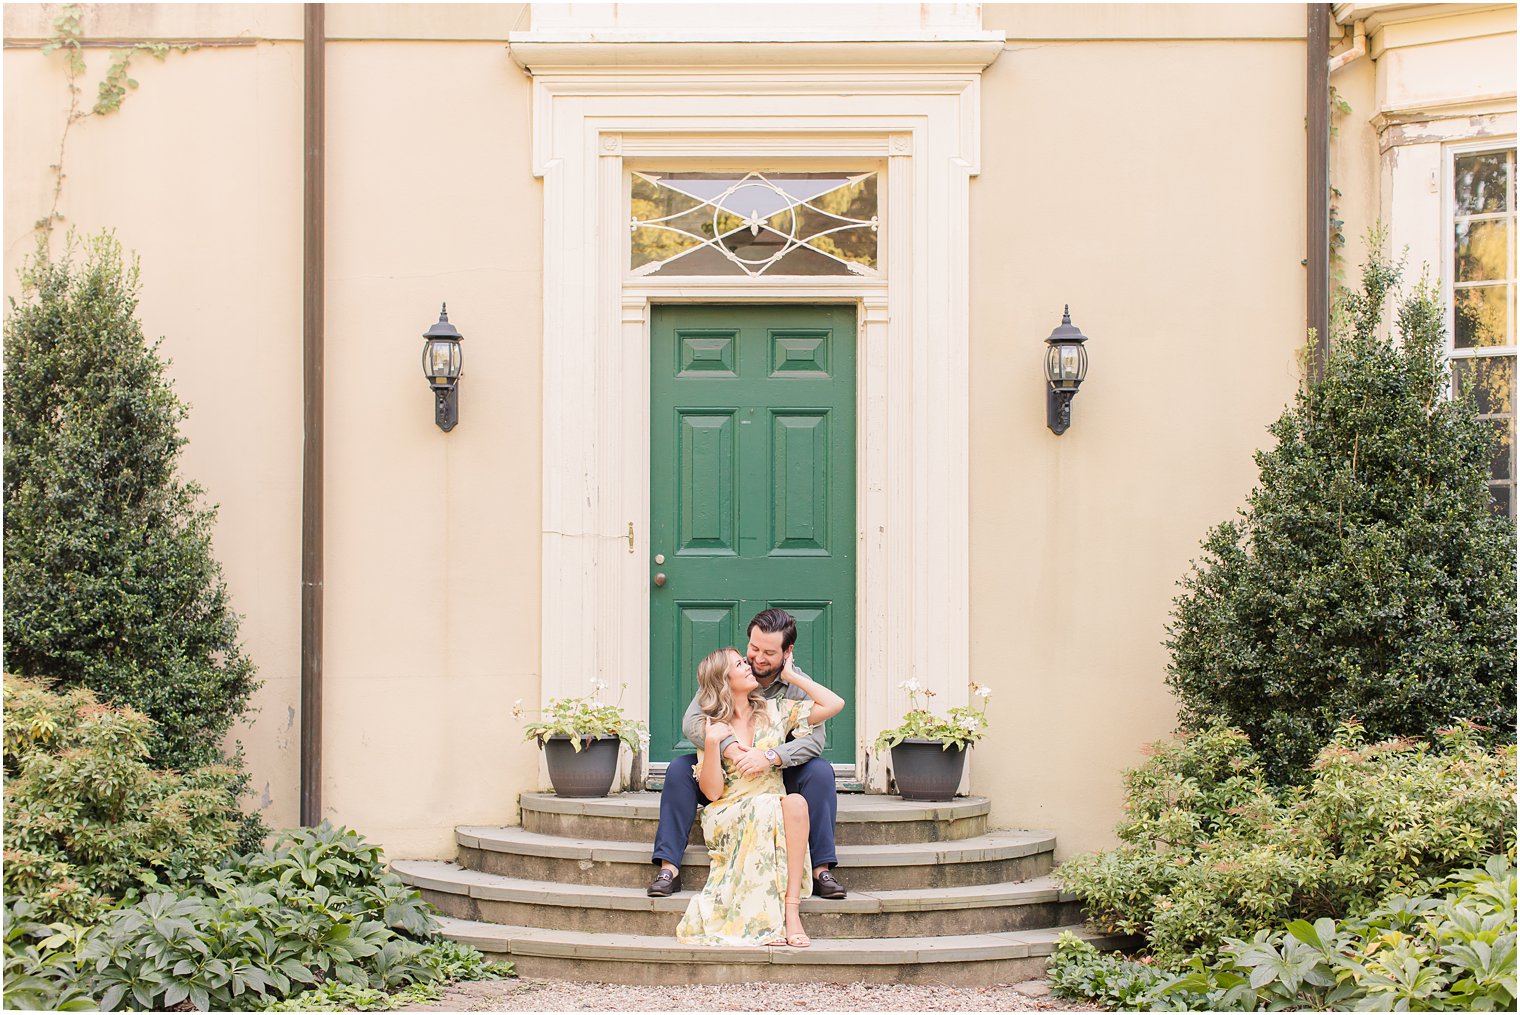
{"x": 772, "y": 756}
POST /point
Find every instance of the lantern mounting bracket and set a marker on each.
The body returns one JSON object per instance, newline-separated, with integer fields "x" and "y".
{"x": 1065, "y": 369}
{"x": 442, "y": 363}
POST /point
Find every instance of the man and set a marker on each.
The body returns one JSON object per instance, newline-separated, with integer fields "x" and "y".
{"x": 771, "y": 636}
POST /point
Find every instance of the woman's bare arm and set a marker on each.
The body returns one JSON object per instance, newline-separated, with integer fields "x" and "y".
{"x": 710, "y": 778}
{"x": 826, "y": 704}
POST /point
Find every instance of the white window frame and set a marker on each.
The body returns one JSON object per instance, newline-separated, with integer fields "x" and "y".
{"x": 1449, "y": 155}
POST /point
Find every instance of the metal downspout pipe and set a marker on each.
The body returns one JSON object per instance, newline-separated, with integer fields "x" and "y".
{"x": 1317, "y": 163}
{"x": 314, "y": 43}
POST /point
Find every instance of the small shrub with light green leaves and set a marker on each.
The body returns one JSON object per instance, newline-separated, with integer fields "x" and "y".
{"x": 1210, "y": 851}
{"x": 88, "y": 823}
{"x": 317, "y": 910}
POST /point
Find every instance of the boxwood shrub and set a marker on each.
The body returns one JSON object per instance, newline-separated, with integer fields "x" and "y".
{"x": 1369, "y": 575}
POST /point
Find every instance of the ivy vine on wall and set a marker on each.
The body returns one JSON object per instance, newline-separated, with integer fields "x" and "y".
{"x": 68, "y": 37}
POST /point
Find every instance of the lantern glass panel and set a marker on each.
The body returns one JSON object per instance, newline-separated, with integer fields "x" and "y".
{"x": 1065, "y": 366}
{"x": 442, "y": 360}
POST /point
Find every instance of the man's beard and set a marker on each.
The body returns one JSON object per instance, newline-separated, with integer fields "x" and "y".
{"x": 766, "y": 675}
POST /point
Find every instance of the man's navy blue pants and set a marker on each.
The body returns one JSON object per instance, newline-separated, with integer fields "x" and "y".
{"x": 678, "y": 807}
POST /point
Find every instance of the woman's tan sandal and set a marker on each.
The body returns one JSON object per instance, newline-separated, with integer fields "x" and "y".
{"x": 799, "y": 939}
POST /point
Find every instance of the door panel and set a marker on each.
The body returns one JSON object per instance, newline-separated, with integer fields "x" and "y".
{"x": 752, "y": 459}
{"x": 708, "y": 494}
{"x": 700, "y": 626}
{"x": 800, "y": 481}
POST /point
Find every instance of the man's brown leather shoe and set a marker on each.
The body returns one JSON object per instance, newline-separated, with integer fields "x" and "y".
{"x": 827, "y": 886}
{"x": 665, "y": 883}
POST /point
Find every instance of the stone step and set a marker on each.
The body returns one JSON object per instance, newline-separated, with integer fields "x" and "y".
{"x": 990, "y": 859}
{"x": 862, "y": 820}
{"x": 956, "y": 960}
{"x": 911, "y": 912}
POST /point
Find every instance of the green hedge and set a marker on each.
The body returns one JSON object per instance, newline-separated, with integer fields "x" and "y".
{"x": 110, "y": 579}
{"x": 1368, "y": 575}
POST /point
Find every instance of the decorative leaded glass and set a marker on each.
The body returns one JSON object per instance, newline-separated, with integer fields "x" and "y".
{"x": 754, "y": 223}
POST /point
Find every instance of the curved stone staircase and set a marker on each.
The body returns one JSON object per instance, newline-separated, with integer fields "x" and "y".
{"x": 935, "y": 897}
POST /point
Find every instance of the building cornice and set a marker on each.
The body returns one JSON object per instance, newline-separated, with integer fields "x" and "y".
{"x": 1379, "y": 15}
{"x": 538, "y": 54}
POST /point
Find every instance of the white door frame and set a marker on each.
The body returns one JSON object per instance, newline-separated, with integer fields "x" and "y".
{"x": 912, "y": 485}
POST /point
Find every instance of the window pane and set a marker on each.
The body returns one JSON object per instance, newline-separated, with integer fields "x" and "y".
{"x": 1503, "y": 466}
{"x": 1482, "y": 182}
{"x": 1504, "y": 499}
{"x": 1481, "y": 251}
{"x": 1482, "y": 316}
{"x": 1490, "y": 379}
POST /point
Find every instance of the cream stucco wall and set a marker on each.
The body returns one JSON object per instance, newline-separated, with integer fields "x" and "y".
{"x": 433, "y": 539}
{"x": 1153, "y": 181}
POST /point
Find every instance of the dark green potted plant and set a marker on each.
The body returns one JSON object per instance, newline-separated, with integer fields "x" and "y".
{"x": 580, "y": 738}
{"x": 929, "y": 751}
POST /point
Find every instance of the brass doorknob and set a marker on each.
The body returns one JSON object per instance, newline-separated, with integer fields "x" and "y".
{"x": 659, "y": 579}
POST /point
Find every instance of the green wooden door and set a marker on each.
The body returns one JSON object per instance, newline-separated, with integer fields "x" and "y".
{"x": 752, "y": 459}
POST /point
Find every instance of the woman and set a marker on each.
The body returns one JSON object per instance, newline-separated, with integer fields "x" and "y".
{"x": 756, "y": 832}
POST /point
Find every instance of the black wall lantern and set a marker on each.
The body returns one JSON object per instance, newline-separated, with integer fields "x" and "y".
{"x": 1065, "y": 369}
{"x": 442, "y": 359}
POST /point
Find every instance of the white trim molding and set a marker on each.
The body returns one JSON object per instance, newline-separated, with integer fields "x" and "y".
{"x": 594, "y": 120}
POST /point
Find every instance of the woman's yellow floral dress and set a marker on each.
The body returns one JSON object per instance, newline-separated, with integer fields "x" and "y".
{"x": 746, "y": 836}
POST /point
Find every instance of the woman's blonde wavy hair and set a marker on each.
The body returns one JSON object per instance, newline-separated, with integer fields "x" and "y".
{"x": 714, "y": 698}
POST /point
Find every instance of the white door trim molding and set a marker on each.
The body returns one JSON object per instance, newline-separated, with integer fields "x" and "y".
{"x": 912, "y": 488}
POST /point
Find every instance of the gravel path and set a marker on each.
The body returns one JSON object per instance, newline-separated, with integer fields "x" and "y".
{"x": 556, "y": 995}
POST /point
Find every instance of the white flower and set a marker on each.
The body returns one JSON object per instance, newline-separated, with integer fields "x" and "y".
{"x": 972, "y": 724}
{"x": 983, "y": 691}
{"x": 910, "y": 685}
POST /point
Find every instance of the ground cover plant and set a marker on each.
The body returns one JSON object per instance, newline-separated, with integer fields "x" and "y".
{"x": 1368, "y": 576}
{"x": 314, "y": 923}
{"x": 110, "y": 581}
{"x": 1448, "y": 948}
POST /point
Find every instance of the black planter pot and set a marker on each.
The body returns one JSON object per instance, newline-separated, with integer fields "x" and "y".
{"x": 585, "y": 773}
{"x": 925, "y": 770}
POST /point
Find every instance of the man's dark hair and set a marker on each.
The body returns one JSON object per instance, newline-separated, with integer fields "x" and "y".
{"x": 773, "y": 620}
